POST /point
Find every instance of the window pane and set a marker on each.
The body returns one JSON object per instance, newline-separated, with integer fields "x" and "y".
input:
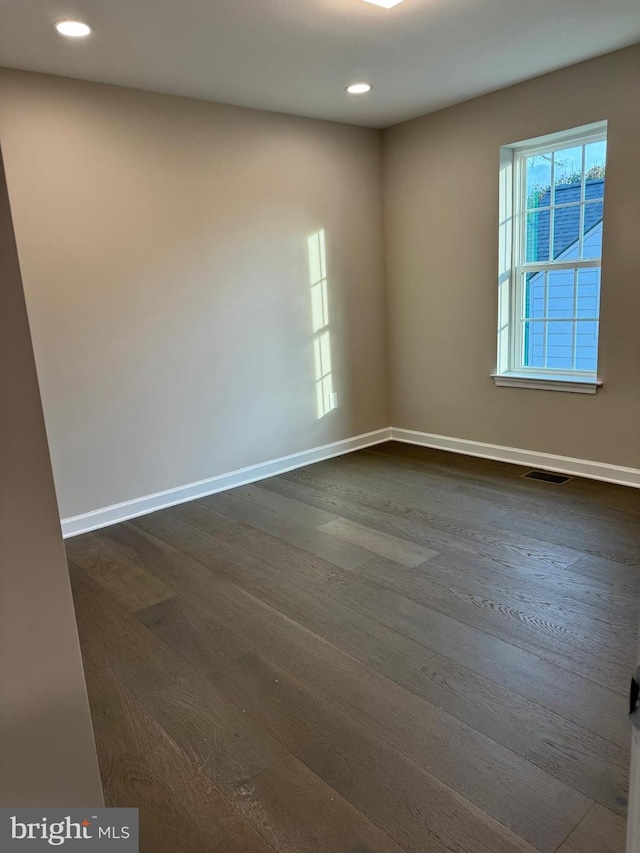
{"x": 566, "y": 232}
{"x": 560, "y": 345}
{"x": 560, "y": 293}
{"x": 586, "y": 345}
{"x": 567, "y": 181}
{"x": 595, "y": 163}
{"x": 534, "y": 294}
{"x": 588, "y": 292}
{"x": 592, "y": 229}
{"x": 533, "y": 340}
{"x": 537, "y": 238}
{"x": 538, "y": 169}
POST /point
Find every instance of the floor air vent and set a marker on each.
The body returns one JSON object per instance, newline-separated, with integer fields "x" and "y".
{"x": 547, "y": 477}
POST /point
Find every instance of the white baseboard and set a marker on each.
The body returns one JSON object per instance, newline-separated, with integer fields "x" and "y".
{"x": 529, "y": 458}
{"x": 97, "y": 518}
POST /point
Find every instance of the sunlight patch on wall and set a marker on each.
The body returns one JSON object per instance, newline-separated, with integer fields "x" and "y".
{"x": 325, "y": 397}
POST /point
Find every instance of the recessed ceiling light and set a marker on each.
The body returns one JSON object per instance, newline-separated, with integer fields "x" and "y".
{"x": 386, "y": 4}
{"x": 74, "y": 29}
{"x": 359, "y": 88}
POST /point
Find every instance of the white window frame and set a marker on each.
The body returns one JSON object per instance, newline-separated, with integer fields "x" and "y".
{"x": 513, "y": 267}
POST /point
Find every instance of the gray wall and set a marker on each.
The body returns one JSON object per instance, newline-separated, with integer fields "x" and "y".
{"x": 441, "y": 214}
{"x": 163, "y": 244}
{"x": 47, "y": 754}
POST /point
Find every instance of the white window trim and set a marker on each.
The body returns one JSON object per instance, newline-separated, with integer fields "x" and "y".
{"x": 543, "y": 382}
{"x": 510, "y": 373}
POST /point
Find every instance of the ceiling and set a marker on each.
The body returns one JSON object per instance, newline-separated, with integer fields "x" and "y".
{"x": 296, "y": 56}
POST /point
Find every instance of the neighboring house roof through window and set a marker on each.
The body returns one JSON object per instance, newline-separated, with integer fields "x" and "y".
{"x": 567, "y": 219}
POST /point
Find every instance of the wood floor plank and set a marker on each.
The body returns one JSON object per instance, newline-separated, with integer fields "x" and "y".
{"x": 421, "y": 524}
{"x": 609, "y": 587}
{"x": 369, "y": 472}
{"x": 548, "y": 637}
{"x": 570, "y": 694}
{"x": 578, "y": 699}
{"x": 592, "y": 765}
{"x": 599, "y": 832}
{"x": 128, "y": 583}
{"x": 624, "y": 579}
{"x": 601, "y": 538}
{"x": 214, "y": 734}
{"x": 582, "y": 609}
{"x": 611, "y": 538}
{"x": 282, "y": 505}
{"x": 591, "y": 598}
{"x": 600, "y": 627}
{"x": 488, "y": 478}
{"x": 590, "y": 496}
{"x": 396, "y": 549}
{"x": 495, "y": 612}
{"x": 141, "y": 767}
{"x": 606, "y": 533}
{"x": 365, "y": 638}
{"x": 299, "y": 813}
{"x": 589, "y": 763}
{"x": 454, "y": 752}
{"x": 442, "y": 504}
{"x": 536, "y": 609}
{"x": 413, "y": 807}
{"x": 343, "y": 554}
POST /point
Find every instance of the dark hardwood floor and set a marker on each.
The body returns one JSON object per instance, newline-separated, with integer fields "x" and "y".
{"x": 396, "y": 650}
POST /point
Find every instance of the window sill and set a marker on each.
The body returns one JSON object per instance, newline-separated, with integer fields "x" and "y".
{"x": 541, "y": 382}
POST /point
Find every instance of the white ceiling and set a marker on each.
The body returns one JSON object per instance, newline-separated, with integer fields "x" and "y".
{"x": 296, "y": 56}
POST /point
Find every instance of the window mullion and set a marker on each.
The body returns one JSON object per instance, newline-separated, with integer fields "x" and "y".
{"x": 519, "y": 244}
{"x": 545, "y": 314}
{"x": 583, "y": 198}
{"x": 567, "y": 141}
{"x": 574, "y": 324}
{"x": 552, "y": 213}
{"x": 584, "y": 263}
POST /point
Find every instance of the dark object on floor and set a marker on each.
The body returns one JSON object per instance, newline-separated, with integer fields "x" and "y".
{"x": 547, "y": 477}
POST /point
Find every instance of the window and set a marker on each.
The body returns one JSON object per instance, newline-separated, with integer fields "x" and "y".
{"x": 552, "y": 205}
